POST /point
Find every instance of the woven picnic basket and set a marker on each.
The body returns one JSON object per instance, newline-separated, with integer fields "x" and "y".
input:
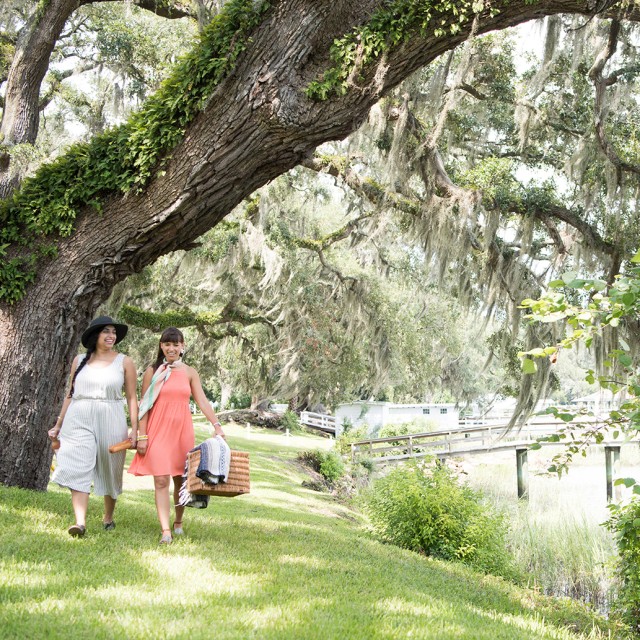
{"x": 237, "y": 483}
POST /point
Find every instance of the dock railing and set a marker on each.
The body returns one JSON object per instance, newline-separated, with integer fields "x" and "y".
{"x": 458, "y": 440}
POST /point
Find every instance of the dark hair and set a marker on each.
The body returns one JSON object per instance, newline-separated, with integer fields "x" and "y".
{"x": 170, "y": 334}
{"x": 91, "y": 342}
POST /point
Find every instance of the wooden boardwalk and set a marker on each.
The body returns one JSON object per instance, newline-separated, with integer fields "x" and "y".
{"x": 475, "y": 439}
{"x": 445, "y": 443}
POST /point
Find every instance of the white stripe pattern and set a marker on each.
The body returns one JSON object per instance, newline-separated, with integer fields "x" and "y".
{"x": 94, "y": 421}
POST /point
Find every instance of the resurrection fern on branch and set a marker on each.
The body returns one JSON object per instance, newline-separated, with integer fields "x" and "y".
{"x": 389, "y": 28}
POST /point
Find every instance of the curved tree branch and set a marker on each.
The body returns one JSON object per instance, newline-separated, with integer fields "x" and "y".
{"x": 601, "y": 83}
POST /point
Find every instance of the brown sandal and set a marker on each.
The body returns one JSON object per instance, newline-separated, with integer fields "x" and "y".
{"x": 77, "y": 530}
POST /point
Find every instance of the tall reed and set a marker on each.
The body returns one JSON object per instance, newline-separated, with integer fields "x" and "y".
{"x": 556, "y": 535}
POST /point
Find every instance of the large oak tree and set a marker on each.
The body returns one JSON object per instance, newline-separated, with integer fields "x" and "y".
{"x": 275, "y": 80}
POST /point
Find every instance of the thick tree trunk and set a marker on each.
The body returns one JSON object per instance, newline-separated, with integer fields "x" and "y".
{"x": 257, "y": 125}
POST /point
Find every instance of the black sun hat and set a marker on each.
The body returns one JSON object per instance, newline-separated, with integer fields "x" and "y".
{"x": 99, "y": 324}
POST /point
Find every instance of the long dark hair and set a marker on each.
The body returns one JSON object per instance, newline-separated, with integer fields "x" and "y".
{"x": 170, "y": 334}
{"x": 92, "y": 342}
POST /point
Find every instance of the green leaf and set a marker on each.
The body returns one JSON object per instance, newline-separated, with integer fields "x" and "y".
{"x": 625, "y": 359}
{"x": 529, "y": 366}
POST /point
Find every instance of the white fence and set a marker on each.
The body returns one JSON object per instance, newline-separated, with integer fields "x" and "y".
{"x": 320, "y": 421}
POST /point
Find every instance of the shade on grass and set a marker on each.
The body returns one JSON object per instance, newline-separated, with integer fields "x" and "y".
{"x": 282, "y": 562}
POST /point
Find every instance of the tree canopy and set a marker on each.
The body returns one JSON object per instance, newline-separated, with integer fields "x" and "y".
{"x": 264, "y": 85}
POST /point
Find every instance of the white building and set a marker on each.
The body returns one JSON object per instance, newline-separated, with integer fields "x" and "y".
{"x": 379, "y": 414}
{"x": 601, "y": 402}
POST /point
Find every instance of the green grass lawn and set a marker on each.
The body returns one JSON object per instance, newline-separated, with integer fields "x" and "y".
{"x": 282, "y": 562}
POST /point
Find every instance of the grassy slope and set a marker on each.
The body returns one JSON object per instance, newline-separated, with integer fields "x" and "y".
{"x": 282, "y": 562}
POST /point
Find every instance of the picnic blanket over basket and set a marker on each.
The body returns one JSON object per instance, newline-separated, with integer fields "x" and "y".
{"x": 237, "y": 482}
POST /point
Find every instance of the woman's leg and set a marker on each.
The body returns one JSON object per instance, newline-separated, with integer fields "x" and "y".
{"x": 177, "y": 483}
{"x": 161, "y": 484}
{"x": 109, "y": 508}
{"x": 80, "y": 502}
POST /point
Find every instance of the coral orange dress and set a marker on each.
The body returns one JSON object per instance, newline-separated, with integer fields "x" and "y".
{"x": 170, "y": 430}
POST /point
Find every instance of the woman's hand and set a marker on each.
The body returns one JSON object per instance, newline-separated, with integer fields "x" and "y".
{"x": 133, "y": 436}
{"x": 141, "y": 446}
{"x": 219, "y": 432}
{"x": 53, "y": 433}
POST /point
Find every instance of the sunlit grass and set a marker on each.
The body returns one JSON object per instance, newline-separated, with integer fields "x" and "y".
{"x": 283, "y": 562}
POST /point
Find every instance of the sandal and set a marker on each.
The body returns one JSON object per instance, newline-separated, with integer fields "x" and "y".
{"x": 109, "y": 526}
{"x": 166, "y": 537}
{"x": 77, "y": 530}
{"x": 177, "y": 528}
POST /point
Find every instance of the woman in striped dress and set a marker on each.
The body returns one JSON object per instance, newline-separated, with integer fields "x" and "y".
{"x": 92, "y": 419}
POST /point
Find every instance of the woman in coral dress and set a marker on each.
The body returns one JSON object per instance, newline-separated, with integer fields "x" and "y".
{"x": 165, "y": 433}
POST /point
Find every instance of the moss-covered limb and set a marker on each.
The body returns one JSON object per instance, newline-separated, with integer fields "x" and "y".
{"x": 368, "y": 188}
{"x": 319, "y": 244}
{"x": 125, "y": 157}
{"x": 211, "y": 322}
{"x": 171, "y": 9}
{"x": 391, "y": 27}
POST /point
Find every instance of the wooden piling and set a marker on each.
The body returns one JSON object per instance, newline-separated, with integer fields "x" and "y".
{"x": 522, "y": 466}
{"x": 612, "y": 462}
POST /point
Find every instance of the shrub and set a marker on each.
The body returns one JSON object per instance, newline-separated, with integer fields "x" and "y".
{"x": 432, "y": 513}
{"x": 625, "y": 524}
{"x": 328, "y": 464}
{"x": 343, "y": 442}
{"x": 290, "y": 421}
{"x": 332, "y": 467}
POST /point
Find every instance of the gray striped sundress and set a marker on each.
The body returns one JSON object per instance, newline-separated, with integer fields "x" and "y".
{"x": 95, "y": 419}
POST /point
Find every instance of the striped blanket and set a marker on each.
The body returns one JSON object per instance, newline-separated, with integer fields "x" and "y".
{"x": 215, "y": 458}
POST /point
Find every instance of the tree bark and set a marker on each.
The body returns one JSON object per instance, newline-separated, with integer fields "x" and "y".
{"x": 257, "y": 125}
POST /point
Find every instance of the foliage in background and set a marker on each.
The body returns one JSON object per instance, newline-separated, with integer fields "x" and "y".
{"x": 429, "y": 511}
{"x": 348, "y": 436}
{"x": 291, "y": 421}
{"x": 625, "y": 524}
{"x": 328, "y": 328}
{"x": 328, "y": 464}
{"x": 604, "y": 318}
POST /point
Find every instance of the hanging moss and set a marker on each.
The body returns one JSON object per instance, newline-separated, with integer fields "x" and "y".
{"x": 124, "y": 158}
{"x": 389, "y": 28}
